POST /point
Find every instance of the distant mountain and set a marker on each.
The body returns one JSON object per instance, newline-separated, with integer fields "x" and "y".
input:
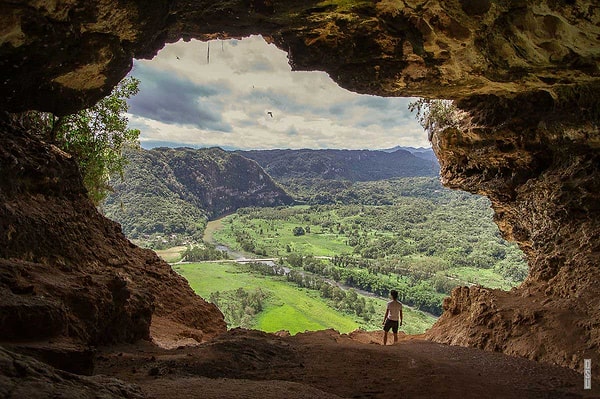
{"x": 152, "y": 144}
{"x": 175, "y": 190}
{"x": 421, "y": 152}
{"x": 352, "y": 165}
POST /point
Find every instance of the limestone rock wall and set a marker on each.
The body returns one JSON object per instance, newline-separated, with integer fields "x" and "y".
{"x": 542, "y": 178}
{"x": 77, "y": 51}
{"x": 66, "y": 271}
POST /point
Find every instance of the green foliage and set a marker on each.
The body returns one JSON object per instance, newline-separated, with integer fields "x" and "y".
{"x": 436, "y": 115}
{"x": 97, "y": 136}
{"x": 241, "y": 232}
{"x": 298, "y": 231}
{"x": 421, "y": 244}
{"x": 381, "y": 192}
{"x": 314, "y": 276}
{"x": 206, "y": 251}
{"x": 240, "y": 306}
{"x": 286, "y": 307}
{"x": 512, "y": 267}
{"x": 170, "y": 193}
{"x": 42, "y": 124}
{"x": 408, "y": 234}
{"x": 294, "y": 259}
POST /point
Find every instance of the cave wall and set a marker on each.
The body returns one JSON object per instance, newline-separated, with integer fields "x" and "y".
{"x": 540, "y": 169}
{"x": 526, "y": 74}
{"x": 68, "y": 272}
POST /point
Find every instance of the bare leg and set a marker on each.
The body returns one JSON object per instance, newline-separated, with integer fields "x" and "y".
{"x": 385, "y": 338}
{"x": 395, "y": 337}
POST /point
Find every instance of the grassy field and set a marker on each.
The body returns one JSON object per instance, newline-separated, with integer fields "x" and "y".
{"x": 433, "y": 246}
{"x": 288, "y": 307}
{"x": 171, "y": 255}
{"x": 485, "y": 277}
{"x": 275, "y": 238}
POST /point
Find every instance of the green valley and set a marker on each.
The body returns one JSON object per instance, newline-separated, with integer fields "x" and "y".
{"x": 276, "y": 304}
{"x": 422, "y": 247}
{"x": 340, "y": 230}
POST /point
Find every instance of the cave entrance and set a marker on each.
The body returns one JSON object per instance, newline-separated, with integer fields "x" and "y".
{"x": 242, "y": 94}
{"x": 331, "y": 259}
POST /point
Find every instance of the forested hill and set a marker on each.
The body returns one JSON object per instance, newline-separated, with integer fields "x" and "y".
{"x": 173, "y": 191}
{"x": 170, "y": 191}
{"x": 352, "y": 165}
{"x": 420, "y": 152}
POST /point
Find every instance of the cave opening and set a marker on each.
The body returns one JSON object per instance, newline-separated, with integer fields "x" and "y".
{"x": 527, "y": 72}
{"x": 241, "y": 96}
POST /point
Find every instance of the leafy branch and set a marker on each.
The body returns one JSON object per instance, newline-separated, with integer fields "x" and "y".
{"x": 436, "y": 115}
{"x": 95, "y": 136}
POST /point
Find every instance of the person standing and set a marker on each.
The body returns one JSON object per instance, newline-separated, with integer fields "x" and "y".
{"x": 393, "y": 317}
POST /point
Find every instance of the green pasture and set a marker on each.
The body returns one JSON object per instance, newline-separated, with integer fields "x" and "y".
{"x": 275, "y": 237}
{"x": 485, "y": 277}
{"x": 288, "y": 307}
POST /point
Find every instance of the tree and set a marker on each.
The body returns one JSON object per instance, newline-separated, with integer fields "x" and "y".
{"x": 298, "y": 231}
{"x": 436, "y": 115}
{"x": 97, "y": 136}
{"x": 294, "y": 260}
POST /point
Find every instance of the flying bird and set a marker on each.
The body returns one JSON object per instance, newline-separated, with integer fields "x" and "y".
{"x": 177, "y": 57}
{"x": 270, "y": 113}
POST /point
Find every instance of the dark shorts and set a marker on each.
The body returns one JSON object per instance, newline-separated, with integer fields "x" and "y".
{"x": 393, "y": 324}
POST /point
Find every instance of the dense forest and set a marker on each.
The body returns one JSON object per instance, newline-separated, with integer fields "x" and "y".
{"x": 368, "y": 220}
{"x": 317, "y": 191}
{"x": 167, "y": 195}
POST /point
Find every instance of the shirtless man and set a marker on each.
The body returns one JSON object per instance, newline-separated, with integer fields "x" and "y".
{"x": 393, "y": 317}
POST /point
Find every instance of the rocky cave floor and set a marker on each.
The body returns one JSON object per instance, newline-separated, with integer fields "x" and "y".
{"x": 325, "y": 364}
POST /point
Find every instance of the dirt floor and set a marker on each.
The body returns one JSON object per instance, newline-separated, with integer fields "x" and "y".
{"x": 325, "y": 364}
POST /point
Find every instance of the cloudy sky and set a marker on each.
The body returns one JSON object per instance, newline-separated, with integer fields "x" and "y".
{"x": 228, "y": 101}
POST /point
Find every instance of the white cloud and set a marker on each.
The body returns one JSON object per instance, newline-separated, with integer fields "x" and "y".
{"x": 225, "y": 101}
